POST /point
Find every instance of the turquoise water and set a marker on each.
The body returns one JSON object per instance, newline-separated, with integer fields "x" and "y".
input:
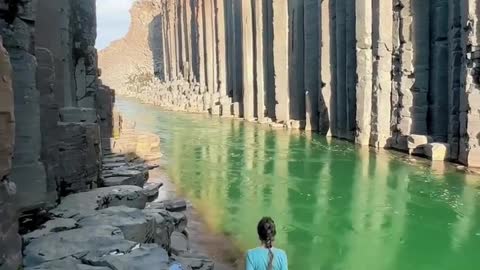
{"x": 336, "y": 206}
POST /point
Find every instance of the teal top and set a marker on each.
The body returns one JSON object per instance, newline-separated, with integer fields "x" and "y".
{"x": 257, "y": 259}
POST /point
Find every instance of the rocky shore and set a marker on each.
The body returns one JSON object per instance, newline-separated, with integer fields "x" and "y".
{"x": 121, "y": 225}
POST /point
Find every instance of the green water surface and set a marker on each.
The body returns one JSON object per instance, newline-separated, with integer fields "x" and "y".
{"x": 336, "y": 206}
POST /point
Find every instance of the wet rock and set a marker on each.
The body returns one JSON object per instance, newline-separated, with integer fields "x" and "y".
{"x": 437, "y": 151}
{"x": 78, "y": 242}
{"x": 144, "y": 257}
{"x": 51, "y": 226}
{"x": 84, "y": 204}
{"x": 178, "y": 243}
{"x": 175, "y": 205}
{"x": 135, "y": 225}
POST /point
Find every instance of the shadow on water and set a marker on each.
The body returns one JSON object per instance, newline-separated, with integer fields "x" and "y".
{"x": 336, "y": 206}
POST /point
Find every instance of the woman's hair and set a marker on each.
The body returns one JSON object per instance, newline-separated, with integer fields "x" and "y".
{"x": 266, "y": 232}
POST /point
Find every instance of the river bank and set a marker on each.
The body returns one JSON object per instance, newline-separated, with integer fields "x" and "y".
{"x": 217, "y": 246}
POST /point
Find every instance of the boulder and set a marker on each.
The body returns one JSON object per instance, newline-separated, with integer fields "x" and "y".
{"x": 85, "y": 204}
{"x": 135, "y": 225}
{"x": 415, "y": 143}
{"x": 78, "y": 242}
{"x": 164, "y": 226}
{"x": 51, "y": 226}
{"x": 140, "y": 258}
{"x": 437, "y": 151}
{"x": 178, "y": 243}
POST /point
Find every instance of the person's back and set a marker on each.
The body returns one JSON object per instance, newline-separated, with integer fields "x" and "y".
{"x": 258, "y": 259}
{"x": 266, "y": 257}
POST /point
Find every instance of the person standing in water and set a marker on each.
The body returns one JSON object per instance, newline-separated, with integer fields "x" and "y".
{"x": 266, "y": 257}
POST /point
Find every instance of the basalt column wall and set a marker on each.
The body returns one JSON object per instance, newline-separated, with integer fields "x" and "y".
{"x": 389, "y": 74}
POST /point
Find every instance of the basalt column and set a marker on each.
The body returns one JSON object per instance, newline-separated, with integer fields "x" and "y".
{"x": 455, "y": 73}
{"x": 350, "y": 68}
{"x": 421, "y": 49}
{"x": 327, "y": 73}
{"x": 296, "y": 63}
{"x": 210, "y": 51}
{"x": 28, "y": 173}
{"x": 403, "y": 73}
{"x": 364, "y": 70}
{"x": 247, "y": 61}
{"x": 281, "y": 60}
{"x": 221, "y": 43}
{"x": 260, "y": 8}
{"x": 238, "y": 87}
{"x": 312, "y": 31}
{"x": 341, "y": 87}
{"x": 382, "y": 70}
{"x": 469, "y": 149}
{"x": 200, "y": 42}
{"x": 439, "y": 71}
{"x": 10, "y": 241}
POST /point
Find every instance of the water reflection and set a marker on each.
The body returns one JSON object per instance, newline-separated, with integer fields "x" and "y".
{"x": 337, "y": 207}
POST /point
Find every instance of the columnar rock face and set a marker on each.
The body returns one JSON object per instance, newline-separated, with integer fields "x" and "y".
{"x": 370, "y": 71}
{"x": 28, "y": 173}
{"x": 10, "y": 241}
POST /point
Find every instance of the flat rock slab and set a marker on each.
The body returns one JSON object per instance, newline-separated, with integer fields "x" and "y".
{"x": 78, "y": 242}
{"x": 51, "y": 226}
{"x": 135, "y": 225}
{"x": 175, "y": 205}
{"x": 85, "y": 204}
{"x": 141, "y": 258}
{"x": 67, "y": 263}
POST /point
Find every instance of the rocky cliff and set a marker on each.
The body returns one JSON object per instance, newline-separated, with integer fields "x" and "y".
{"x": 380, "y": 73}
{"x": 135, "y": 52}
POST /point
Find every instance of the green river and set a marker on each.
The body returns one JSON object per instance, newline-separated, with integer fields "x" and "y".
{"x": 336, "y": 206}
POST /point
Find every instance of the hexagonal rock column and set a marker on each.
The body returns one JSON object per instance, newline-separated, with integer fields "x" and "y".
{"x": 48, "y": 119}
{"x": 27, "y": 171}
{"x": 10, "y": 241}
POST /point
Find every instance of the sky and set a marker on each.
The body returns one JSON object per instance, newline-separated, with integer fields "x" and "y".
{"x": 113, "y": 20}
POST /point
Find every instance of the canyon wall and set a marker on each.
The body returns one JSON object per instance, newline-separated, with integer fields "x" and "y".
{"x": 48, "y": 119}
{"x": 388, "y": 74}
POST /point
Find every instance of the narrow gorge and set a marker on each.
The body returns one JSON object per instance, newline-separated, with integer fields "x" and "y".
{"x": 135, "y": 156}
{"x": 399, "y": 74}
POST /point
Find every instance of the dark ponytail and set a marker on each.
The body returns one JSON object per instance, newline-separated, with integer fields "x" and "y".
{"x": 266, "y": 232}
